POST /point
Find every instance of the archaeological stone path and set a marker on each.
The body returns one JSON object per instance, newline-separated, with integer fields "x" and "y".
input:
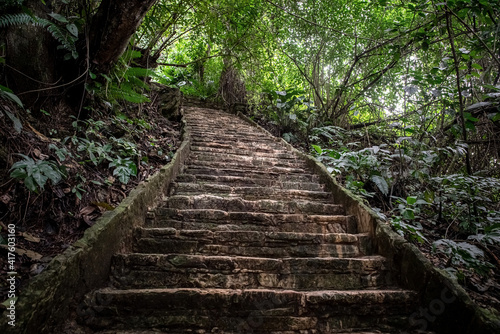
{"x": 241, "y": 233}
{"x": 248, "y": 241}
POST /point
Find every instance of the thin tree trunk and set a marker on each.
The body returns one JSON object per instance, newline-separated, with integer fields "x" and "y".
{"x": 460, "y": 98}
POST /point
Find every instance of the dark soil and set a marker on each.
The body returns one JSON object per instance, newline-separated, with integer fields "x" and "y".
{"x": 50, "y": 220}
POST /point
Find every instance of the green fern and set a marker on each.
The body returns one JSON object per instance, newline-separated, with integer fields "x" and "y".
{"x": 127, "y": 93}
{"x": 15, "y": 19}
{"x": 67, "y": 40}
{"x": 64, "y": 37}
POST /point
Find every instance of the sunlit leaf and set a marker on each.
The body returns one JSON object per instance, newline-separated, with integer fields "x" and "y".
{"x": 411, "y": 200}
{"x": 477, "y": 66}
{"x": 317, "y": 149}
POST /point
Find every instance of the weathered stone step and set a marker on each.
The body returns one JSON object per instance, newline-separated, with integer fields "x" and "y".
{"x": 256, "y": 160}
{"x": 183, "y": 202}
{"x": 250, "y": 243}
{"x": 239, "y": 181}
{"x": 229, "y": 126}
{"x": 236, "y": 135}
{"x": 256, "y": 140}
{"x": 255, "y": 331}
{"x": 244, "y": 150}
{"x": 224, "y": 121}
{"x": 250, "y": 165}
{"x": 230, "y": 123}
{"x": 212, "y": 219}
{"x": 277, "y": 174}
{"x": 201, "y": 271}
{"x": 229, "y": 132}
{"x": 248, "y": 193}
{"x": 244, "y": 310}
{"x": 227, "y": 123}
{"x": 210, "y": 143}
{"x": 247, "y": 163}
{"x": 271, "y": 171}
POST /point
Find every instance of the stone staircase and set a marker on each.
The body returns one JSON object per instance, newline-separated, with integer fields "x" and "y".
{"x": 248, "y": 241}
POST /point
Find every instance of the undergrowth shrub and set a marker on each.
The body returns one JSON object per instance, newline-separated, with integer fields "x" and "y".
{"x": 414, "y": 184}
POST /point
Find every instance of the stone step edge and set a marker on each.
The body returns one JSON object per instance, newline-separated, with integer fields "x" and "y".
{"x": 235, "y": 204}
{"x": 248, "y": 169}
{"x": 367, "y": 258}
{"x": 313, "y": 297}
{"x": 235, "y": 172}
{"x": 163, "y": 216}
{"x": 314, "y": 238}
{"x": 219, "y": 331}
{"x": 242, "y": 181}
{"x": 231, "y": 265}
{"x": 223, "y": 188}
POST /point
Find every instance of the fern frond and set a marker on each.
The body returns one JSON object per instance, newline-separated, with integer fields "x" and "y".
{"x": 62, "y": 37}
{"x": 8, "y": 20}
{"x": 67, "y": 41}
{"x": 138, "y": 83}
{"x": 127, "y": 93}
{"x": 38, "y": 21}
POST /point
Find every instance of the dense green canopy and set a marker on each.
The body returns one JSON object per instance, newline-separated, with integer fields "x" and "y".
{"x": 356, "y": 60}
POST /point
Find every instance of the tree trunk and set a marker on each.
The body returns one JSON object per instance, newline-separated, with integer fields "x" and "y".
{"x": 112, "y": 27}
{"x": 34, "y": 65}
{"x": 30, "y": 58}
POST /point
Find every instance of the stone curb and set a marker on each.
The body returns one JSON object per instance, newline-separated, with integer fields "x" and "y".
{"x": 49, "y": 297}
{"x": 445, "y": 305}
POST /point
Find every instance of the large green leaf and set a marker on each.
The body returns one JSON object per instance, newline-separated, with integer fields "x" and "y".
{"x": 381, "y": 184}
{"x": 72, "y": 28}
{"x": 29, "y": 182}
{"x": 410, "y": 200}
{"x": 51, "y": 172}
{"x": 59, "y": 17}
{"x": 317, "y": 148}
{"x": 7, "y": 94}
{"x": 18, "y": 173}
{"x": 17, "y": 123}
{"x": 39, "y": 178}
{"x": 140, "y": 72}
